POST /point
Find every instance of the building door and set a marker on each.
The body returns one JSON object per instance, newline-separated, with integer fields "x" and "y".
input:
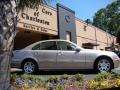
{"x": 68, "y": 36}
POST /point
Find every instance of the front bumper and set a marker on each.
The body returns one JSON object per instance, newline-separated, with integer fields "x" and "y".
{"x": 117, "y": 63}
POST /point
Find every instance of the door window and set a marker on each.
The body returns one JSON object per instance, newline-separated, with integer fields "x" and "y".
{"x": 62, "y": 45}
{"x": 36, "y": 47}
{"x": 51, "y": 45}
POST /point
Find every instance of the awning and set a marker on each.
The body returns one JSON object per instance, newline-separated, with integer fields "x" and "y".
{"x": 90, "y": 44}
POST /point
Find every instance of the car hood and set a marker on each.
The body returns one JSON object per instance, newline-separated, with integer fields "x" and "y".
{"x": 99, "y": 52}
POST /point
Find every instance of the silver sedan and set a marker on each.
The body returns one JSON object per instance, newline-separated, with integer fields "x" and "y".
{"x": 62, "y": 54}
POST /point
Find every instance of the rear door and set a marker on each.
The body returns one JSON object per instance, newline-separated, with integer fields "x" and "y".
{"x": 46, "y": 54}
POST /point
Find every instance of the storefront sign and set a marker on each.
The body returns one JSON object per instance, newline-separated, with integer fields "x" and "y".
{"x": 36, "y": 19}
{"x": 41, "y": 19}
{"x": 36, "y": 16}
{"x": 36, "y": 28}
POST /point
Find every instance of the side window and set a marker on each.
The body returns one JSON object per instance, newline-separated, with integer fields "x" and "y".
{"x": 37, "y": 47}
{"x": 51, "y": 45}
{"x": 62, "y": 45}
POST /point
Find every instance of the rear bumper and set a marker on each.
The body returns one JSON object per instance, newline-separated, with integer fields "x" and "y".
{"x": 15, "y": 64}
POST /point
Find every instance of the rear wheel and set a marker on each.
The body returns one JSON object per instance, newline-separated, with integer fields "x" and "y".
{"x": 29, "y": 67}
{"x": 103, "y": 64}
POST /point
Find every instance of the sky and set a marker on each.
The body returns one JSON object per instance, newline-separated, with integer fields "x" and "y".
{"x": 84, "y": 9}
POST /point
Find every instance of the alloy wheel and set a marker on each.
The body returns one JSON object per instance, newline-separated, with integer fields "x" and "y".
{"x": 104, "y": 65}
{"x": 29, "y": 67}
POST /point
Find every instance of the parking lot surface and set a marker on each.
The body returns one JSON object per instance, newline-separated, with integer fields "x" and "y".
{"x": 88, "y": 74}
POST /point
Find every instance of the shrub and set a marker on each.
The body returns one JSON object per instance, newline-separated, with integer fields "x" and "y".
{"x": 93, "y": 84}
{"x": 53, "y": 79}
{"x": 13, "y": 77}
{"x": 65, "y": 82}
{"x": 30, "y": 77}
{"x": 117, "y": 82}
{"x": 59, "y": 87}
{"x": 77, "y": 83}
{"x": 103, "y": 76}
{"x": 26, "y": 86}
{"x": 79, "y": 77}
{"x": 104, "y": 84}
{"x": 26, "y": 81}
{"x": 116, "y": 76}
{"x": 65, "y": 76}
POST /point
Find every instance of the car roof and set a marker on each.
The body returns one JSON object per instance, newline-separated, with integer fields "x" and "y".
{"x": 50, "y": 40}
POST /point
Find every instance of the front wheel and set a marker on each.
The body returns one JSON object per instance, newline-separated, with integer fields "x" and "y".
{"x": 103, "y": 65}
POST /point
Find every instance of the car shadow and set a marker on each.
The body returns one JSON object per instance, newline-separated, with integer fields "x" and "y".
{"x": 69, "y": 72}
{"x": 59, "y": 72}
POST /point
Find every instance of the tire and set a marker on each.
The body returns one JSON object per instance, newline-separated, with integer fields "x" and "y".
{"x": 103, "y": 64}
{"x": 29, "y": 67}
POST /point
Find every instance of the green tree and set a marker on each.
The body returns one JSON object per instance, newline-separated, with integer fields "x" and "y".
{"x": 118, "y": 35}
{"x": 100, "y": 19}
{"x": 8, "y": 22}
{"x": 113, "y": 16}
{"x": 108, "y": 18}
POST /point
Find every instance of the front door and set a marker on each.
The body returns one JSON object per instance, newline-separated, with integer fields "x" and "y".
{"x": 68, "y": 57}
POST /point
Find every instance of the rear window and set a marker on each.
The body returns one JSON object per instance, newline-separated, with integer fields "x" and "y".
{"x": 51, "y": 45}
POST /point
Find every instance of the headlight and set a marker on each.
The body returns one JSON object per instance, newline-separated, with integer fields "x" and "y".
{"x": 115, "y": 57}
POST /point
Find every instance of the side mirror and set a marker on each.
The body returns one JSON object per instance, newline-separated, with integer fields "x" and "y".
{"x": 77, "y": 49}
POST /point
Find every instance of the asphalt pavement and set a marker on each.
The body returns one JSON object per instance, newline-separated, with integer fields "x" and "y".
{"x": 87, "y": 74}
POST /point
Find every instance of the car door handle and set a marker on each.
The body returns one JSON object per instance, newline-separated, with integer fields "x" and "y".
{"x": 59, "y": 53}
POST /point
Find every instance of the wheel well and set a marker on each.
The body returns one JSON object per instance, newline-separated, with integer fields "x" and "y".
{"x": 28, "y": 59}
{"x": 97, "y": 59}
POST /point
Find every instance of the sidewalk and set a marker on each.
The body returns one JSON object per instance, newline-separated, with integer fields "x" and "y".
{"x": 15, "y": 69}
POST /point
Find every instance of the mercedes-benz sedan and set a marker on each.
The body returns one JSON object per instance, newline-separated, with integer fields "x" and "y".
{"x": 62, "y": 54}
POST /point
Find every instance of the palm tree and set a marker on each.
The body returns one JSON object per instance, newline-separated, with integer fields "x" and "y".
{"x": 8, "y": 22}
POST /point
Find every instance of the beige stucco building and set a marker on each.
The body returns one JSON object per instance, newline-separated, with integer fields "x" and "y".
{"x": 89, "y": 35}
{"x": 35, "y": 24}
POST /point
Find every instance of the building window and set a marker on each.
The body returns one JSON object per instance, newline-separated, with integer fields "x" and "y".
{"x": 85, "y": 28}
{"x": 87, "y": 47}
